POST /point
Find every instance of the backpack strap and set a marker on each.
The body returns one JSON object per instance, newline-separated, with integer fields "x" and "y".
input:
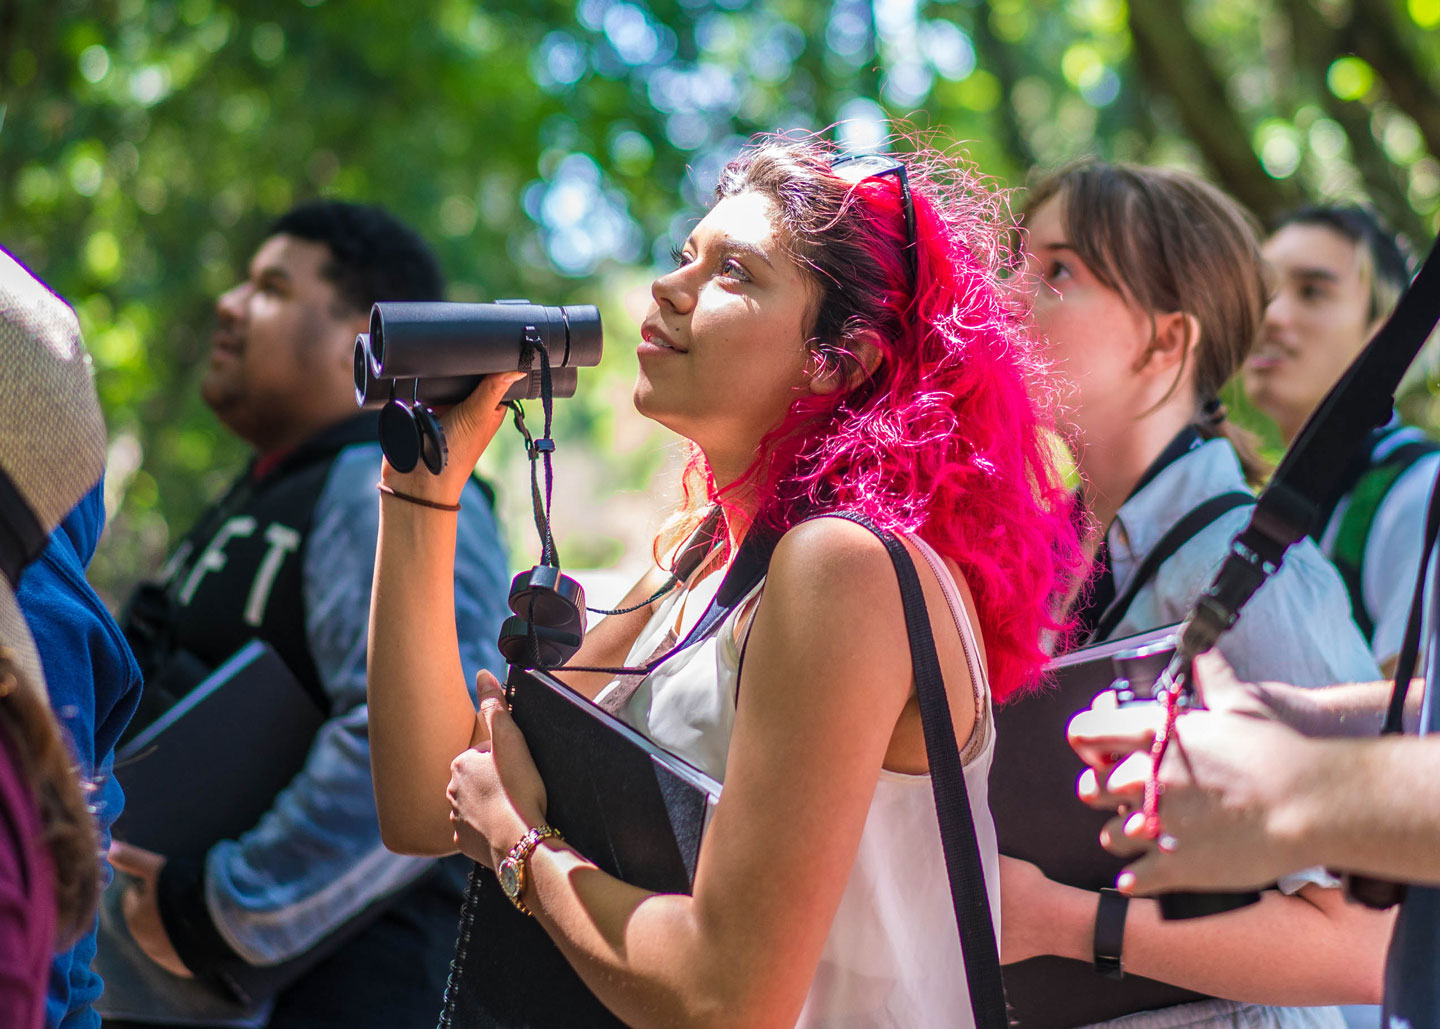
{"x": 1370, "y": 491}
{"x": 1182, "y": 532}
{"x": 952, "y": 800}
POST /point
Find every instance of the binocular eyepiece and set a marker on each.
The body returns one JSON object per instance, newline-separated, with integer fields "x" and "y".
{"x": 421, "y": 354}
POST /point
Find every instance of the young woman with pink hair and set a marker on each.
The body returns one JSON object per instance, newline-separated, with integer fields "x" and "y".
{"x": 831, "y": 338}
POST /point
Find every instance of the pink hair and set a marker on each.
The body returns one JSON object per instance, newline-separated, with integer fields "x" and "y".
{"x": 946, "y": 438}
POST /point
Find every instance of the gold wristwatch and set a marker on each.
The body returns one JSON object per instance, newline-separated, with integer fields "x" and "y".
{"x": 512, "y": 870}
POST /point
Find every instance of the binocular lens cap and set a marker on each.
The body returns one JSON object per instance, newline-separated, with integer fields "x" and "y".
{"x": 433, "y": 448}
{"x": 522, "y": 642}
{"x": 399, "y": 436}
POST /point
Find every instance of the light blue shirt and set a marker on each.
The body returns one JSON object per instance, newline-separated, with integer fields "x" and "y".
{"x": 1297, "y": 628}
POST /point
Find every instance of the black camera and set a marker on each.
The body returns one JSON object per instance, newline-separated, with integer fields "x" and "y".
{"x": 1138, "y": 676}
{"x": 420, "y": 354}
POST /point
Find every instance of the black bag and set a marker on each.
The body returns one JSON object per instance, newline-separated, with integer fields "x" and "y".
{"x": 638, "y": 812}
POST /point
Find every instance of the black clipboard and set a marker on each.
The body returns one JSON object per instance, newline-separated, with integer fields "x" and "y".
{"x": 1038, "y": 818}
{"x": 199, "y": 774}
{"x": 207, "y": 770}
{"x": 635, "y": 809}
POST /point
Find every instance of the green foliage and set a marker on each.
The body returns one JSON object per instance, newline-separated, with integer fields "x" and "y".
{"x": 556, "y": 150}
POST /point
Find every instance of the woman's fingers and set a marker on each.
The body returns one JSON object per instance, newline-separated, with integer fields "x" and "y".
{"x": 1088, "y": 788}
{"x": 1125, "y": 836}
{"x": 473, "y": 422}
{"x": 1216, "y": 684}
{"x": 1105, "y": 736}
{"x": 490, "y": 699}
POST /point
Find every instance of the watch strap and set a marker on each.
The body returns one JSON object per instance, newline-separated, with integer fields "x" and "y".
{"x": 1109, "y": 943}
{"x": 519, "y": 856}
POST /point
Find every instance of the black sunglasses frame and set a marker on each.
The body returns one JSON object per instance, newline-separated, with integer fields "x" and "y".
{"x": 875, "y": 166}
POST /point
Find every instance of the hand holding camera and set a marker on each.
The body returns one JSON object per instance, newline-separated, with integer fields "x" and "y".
{"x": 1231, "y": 781}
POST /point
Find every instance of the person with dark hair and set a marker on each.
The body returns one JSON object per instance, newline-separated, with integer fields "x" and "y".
{"x": 1149, "y": 287}
{"x": 287, "y": 557}
{"x": 1338, "y": 272}
{"x": 52, "y": 450}
{"x": 834, "y": 336}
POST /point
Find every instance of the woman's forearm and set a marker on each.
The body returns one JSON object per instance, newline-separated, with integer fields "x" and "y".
{"x": 1371, "y": 808}
{"x": 1283, "y": 950}
{"x": 421, "y": 714}
{"x": 1358, "y": 708}
{"x": 643, "y": 954}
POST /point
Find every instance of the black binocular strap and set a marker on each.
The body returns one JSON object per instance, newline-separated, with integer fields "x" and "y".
{"x": 751, "y": 562}
{"x": 952, "y": 799}
{"x": 1182, "y": 532}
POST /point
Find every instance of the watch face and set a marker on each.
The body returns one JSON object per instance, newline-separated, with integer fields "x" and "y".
{"x": 509, "y": 874}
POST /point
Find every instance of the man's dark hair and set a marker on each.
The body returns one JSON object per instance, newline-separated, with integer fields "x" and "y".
{"x": 374, "y": 255}
{"x": 1389, "y": 267}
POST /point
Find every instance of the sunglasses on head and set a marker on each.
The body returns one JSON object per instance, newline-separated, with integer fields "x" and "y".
{"x": 859, "y": 167}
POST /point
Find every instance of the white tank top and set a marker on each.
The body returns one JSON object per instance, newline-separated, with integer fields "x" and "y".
{"x": 892, "y": 957}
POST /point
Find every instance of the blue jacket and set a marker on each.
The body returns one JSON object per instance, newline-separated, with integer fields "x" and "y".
{"x": 94, "y": 686}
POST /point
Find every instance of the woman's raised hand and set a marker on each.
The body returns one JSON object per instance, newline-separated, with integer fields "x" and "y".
{"x": 469, "y": 427}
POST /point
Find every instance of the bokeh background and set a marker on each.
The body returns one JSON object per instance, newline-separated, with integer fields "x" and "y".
{"x": 558, "y": 150}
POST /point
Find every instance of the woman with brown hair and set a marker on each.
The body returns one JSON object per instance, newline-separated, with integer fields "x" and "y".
{"x": 1149, "y": 286}
{"x": 52, "y": 450}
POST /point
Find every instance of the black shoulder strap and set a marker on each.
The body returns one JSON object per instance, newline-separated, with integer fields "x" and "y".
{"x": 952, "y": 800}
{"x": 1410, "y": 649}
{"x": 1179, "y": 534}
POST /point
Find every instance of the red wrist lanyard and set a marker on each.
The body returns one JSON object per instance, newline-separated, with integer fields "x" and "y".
{"x": 1157, "y": 755}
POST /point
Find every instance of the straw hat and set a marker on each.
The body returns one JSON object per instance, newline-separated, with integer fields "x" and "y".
{"x": 52, "y": 438}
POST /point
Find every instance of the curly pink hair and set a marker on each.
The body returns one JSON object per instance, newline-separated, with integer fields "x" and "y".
{"x": 946, "y": 437}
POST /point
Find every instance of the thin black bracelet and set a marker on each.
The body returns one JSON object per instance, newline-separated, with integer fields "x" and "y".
{"x": 1109, "y": 944}
{"x": 421, "y": 501}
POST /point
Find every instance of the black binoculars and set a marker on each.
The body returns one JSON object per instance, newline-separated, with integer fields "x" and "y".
{"x": 421, "y": 354}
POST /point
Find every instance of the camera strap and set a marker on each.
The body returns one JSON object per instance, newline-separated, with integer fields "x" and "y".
{"x": 1312, "y": 472}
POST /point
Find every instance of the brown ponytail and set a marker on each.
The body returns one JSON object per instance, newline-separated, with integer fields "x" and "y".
{"x": 1167, "y": 240}
{"x": 48, "y": 767}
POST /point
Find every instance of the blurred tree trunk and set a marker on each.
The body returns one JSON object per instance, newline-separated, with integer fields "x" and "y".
{"x": 1315, "y": 45}
{"x": 1174, "y": 64}
{"x": 1003, "y": 63}
{"x": 29, "y": 59}
{"x": 1376, "y": 35}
